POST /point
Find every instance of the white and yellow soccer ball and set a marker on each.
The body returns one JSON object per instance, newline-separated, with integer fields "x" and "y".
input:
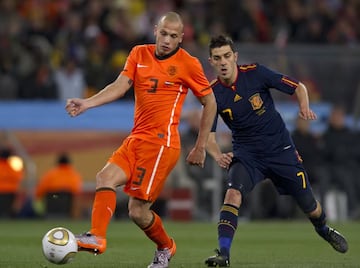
{"x": 59, "y": 245}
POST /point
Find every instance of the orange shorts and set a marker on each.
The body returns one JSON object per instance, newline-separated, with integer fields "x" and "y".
{"x": 147, "y": 166}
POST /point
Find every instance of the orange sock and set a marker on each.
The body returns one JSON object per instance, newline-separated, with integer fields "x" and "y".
{"x": 156, "y": 232}
{"x": 102, "y": 211}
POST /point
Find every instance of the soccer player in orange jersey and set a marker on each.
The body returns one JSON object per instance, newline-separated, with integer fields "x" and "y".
{"x": 10, "y": 183}
{"x": 161, "y": 74}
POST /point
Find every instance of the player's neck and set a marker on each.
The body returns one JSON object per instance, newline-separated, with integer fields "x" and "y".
{"x": 226, "y": 82}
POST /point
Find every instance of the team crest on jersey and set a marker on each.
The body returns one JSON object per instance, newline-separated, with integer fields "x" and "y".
{"x": 256, "y": 101}
{"x": 172, "y": 70}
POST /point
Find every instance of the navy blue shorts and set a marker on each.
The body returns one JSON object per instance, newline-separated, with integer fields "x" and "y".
{"x": 285, "y": 170}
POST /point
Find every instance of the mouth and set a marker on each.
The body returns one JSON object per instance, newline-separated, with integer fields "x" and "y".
{"x": 223, "y": 71}
{"x": 165, "y": 48}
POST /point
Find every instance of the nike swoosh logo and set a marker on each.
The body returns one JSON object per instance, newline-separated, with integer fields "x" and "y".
{"x": 287, "y": 147}
{"x": 134, "y": 188}
{"x": 110, "y": 210}
{"x": 141, "y": 66}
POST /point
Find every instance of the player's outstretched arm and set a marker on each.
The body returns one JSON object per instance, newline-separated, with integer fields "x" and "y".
{"x": 303, "y": 100}
{"x": 110, "y": 93}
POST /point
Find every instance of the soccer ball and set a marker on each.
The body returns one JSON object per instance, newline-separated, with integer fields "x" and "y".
{"x": 59, "y": 245}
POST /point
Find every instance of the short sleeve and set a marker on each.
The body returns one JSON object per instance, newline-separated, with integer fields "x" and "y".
{"x": 130, "y": 64}
{"x": 196, "y": 79}
{"x": 278, "y": 80}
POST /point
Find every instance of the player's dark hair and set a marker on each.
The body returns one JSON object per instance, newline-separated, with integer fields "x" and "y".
{"x": 220, "y": 41}
{"x": 63, "y": 158}
{"x": 5, "y": 153}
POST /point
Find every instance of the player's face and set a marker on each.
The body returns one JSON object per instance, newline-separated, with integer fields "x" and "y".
{"x": 224, "y": 62}
{"x": 168, "y": 37}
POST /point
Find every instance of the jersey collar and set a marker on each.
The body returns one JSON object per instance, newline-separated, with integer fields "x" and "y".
{"x": 168, "y": 55}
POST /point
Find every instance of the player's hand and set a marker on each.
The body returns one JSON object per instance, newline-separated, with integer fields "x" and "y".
{"x": 224, "y": 160}
{"x": 196, "y": 157}
{"x": 307, "y": 114}
{"x": 75, "y": 106}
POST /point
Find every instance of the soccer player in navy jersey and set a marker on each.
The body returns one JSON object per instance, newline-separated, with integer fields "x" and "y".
{"x": 262, "y": 146}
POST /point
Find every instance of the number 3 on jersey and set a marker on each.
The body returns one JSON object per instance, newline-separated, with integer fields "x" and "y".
{"x": 154, "y": 82}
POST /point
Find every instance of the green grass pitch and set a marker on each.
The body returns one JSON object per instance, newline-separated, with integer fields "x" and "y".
{"x": 256, "y": 244}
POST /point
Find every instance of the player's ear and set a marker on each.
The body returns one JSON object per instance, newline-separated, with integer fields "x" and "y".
{"x": 235, "y": 56}
{"x": 155, "y": 30}
{"x": 181, "y": 38}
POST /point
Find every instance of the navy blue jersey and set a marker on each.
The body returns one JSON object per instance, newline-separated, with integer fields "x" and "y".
{"x": 262, "y": 145}
{"x": 247, "y": 108}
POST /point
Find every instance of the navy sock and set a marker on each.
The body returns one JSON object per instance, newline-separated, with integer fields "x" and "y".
{"x": 226, "y": 227}
{"x": 320, "y": 224}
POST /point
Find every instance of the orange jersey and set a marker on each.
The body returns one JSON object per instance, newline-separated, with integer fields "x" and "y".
{"x": 10, "y": 179}
{"x": 58, "y": 179}
{"x": 160, "y": 86}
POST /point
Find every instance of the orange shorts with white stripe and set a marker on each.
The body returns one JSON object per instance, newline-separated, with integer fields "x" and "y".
{"x": 146, "y": 165}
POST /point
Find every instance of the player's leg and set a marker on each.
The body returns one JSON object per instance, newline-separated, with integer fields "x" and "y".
{"x": 239, "y": 184}
{"x": 227, "y": 226}
{"x": 153, "y": 165}
{"x": 302, "y": 192}
{"x": 332, "y": 236}
{"x": 103, "y": 208}
{"x": 152, "y": 226}
{"x": 115, "y": 173}
{"x": 290, "y": 177}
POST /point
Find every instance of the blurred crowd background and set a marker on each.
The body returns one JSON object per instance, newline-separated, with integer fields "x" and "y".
{"x": 43, "y": 40}
{"x": 51, "y": 50}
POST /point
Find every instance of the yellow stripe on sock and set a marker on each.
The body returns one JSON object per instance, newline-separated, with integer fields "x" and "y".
{"x": 230, "y": 209}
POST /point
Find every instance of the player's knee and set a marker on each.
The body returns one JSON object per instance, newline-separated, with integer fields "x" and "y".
{"x": 315, "y": 213}
{"x": 233, "y": 197}
{"x": 308, "y": 204}
{"x": 103, "y": 180}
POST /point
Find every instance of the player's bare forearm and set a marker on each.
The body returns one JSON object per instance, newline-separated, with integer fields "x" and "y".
{"x": 212, "y": 146}
{"x": 207, "y": 119}
{"x": 222, "y": 159}
{"x": 197, "y": 154}
{"x": 111, "y": 92}
{"x": 304, "y": 106}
